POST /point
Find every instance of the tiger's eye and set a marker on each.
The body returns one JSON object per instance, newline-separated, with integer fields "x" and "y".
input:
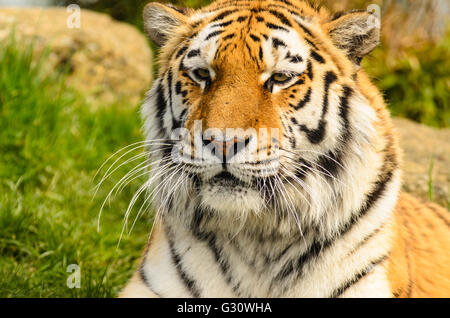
{"x": 280, "y": 77}
{"x": 202, "y": 73}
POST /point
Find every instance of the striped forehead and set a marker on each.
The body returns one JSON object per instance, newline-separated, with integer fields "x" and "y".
{"x": 274, "y": 47}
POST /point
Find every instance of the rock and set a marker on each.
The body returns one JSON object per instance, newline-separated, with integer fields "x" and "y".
{"x": 107, "y": 60}
{"x": 425, "y": 148}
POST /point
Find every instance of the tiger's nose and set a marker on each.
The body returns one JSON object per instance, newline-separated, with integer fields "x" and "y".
{"x": 225, "y": 150}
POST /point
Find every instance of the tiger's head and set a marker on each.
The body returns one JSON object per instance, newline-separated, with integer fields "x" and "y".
{"x": 258, "y": 106}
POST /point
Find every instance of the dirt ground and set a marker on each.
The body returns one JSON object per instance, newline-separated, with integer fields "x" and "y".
{"x": 425, "y": 148}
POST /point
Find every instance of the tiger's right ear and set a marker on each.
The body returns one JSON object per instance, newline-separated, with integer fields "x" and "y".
{"x": 161, "y": 19}
{"x": 357, "y": 33}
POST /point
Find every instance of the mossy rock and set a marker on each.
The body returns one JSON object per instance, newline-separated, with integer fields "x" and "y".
{"x": 107, "y": 60}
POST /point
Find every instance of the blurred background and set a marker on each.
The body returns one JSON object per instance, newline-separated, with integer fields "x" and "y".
{"x": 69, "y": 99}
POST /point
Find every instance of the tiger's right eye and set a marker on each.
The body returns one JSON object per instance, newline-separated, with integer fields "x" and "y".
{"x": 202, "y": 74}
{"x": 280, "y": 78}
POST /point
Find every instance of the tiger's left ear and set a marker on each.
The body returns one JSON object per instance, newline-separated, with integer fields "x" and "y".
{"x": 160, "y": 20}
{"x": 357, "y": 33}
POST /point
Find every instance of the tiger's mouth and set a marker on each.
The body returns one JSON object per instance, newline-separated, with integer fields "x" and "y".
{"x": 227, "y": 193}
{"x": 226, "y": 179}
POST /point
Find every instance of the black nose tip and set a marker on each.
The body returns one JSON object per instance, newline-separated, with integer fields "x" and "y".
{"x": 225, "y": 150}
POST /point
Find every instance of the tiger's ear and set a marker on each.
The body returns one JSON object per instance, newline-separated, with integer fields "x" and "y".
{"x": 357, "y": 33}
{"x": 161, "y": 19}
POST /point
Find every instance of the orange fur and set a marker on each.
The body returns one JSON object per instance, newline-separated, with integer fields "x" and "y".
{"x": 419, "y": 263}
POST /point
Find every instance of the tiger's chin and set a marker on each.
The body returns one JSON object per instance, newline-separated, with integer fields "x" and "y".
{"x": 227, "y": 195}
{"x": 231, "y": 200}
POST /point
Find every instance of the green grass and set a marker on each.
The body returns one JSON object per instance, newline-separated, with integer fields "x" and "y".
{"x": 51, "y": 145}
{"x": 416, "y": 82}
{"x": 430, "y": 179}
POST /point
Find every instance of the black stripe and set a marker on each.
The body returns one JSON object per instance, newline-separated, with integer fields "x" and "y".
{"x": 305, "y": 100}
{"x": 331, "y": 163}
{"x": 160, "y": 106}
{"x": 211, "y": 240}
{"x": 268, "y": 85}
{"x": 251, "y": 55}
{"x": 285, "y": 271}
{"x": 339, "y": 14}
{"x": 186, "y": 75}
{"x": 224, "y": 49}
{"x": 180, "y": 10}
{"x": 297, "y": 264}
{"x": 280, "y": 255}
{"x": 352, "y": 281}
{"x": 256, "y": 10}
{"x": 182, "y": 67}
{"x": 181, "y": 51}
{"x": 193, "y": 35}
{"x": 175, "y": 123}
{"x": 223, "y": 24}
{"x": 196, "y": 24}
{"x": 277, "y": 42}
{"x": 317, "y": 57}
{"x": 229, "y": 36}
{"x": 300, "y": 81}
{"x": 183, "y": 114}
{"x": 146, "y": 280}
{"x": 312, "y": 44}
{"x": 193, "y": 53}
{"x": 290, "y": 4}
{"x": 248, "y": 49}
{"x": 315, "y": 136}
{"x": 187, "y": 280}
{"x": 365, "y": 240}
{"x": 178, "y": 88}
{"x": 281, "y": 17}
{"x": 305, "y": 29}
{"x": 373, "y": 197}
{"x": 276, "y": 27}
{"x": 309, "y": 71}
{"x": 294, "y": 58}
{"x": 223, "y": 15}
{"x": 255, "y": 38}
{"x": 241, "y": 19}
{"x": 213, "y": 34}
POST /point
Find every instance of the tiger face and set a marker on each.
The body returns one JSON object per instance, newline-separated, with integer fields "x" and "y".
{"x": 256, "y": 103}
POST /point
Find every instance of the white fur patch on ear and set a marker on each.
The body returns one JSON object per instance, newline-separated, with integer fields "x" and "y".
{"x": 160, "y": 20}
{"x": 355, "y": 33}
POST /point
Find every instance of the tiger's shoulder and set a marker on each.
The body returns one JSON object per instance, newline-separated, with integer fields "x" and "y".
{"x": 419, "y": 262}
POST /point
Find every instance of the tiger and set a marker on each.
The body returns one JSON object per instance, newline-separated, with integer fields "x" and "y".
{"x": 312, "y": 208}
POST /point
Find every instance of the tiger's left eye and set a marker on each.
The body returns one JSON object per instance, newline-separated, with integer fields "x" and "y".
{"x": 280, "y": 78}
{"x": 202, "y": 74}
